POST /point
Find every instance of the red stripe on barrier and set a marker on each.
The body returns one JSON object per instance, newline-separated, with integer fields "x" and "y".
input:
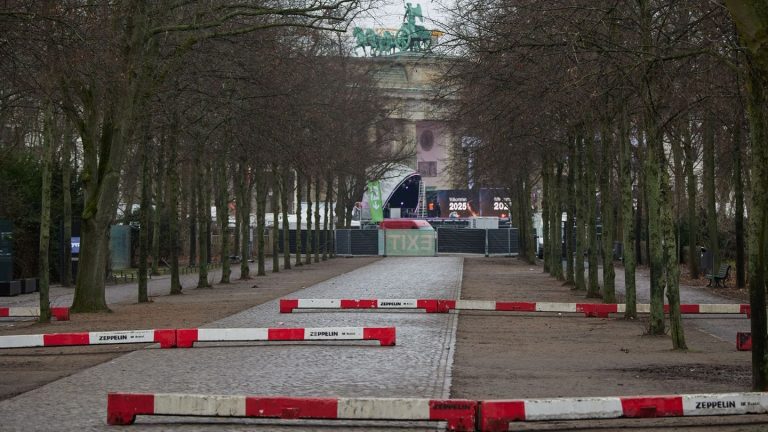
{"x": 61, "y": 339}
{"x": 744, "y": 341}
{"x": 291, "y": 408}
{"x": 166, "y": 338}
{"x": 516, "y": 306}
{"x": 652, "y": 406}
{"x": 385, "y": 335}
{"x": 60, "y": 313}
{"x": 429, "y": 305}
{"x": 443, "y": 306}
{"x": 185, "y": 338}
{"x": 597, "y": 309}
{"x": 495, "y": 416}
{"x": 288, "y": 305}
{"x": 459, "y": 414}
{"x": 285, "y": 334}
{"x": 746, "y": 309}
{"x": 358, "y": 304}
{"x": 122, "y": 408}
{"x": 4, "y": 312}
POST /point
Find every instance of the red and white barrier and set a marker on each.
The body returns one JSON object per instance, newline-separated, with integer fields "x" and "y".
{"x": 60, "y": 313}
{"x": 122, "y": 408}
{"x": 185, "y": 338}
{"x": 444, "y": 306}
{"x": 744, "y": 341}
{"x": 165, "y": 337}
{"x": 495, "y": 416}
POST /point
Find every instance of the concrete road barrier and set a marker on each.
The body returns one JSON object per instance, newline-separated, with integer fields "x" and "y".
{"x": 185, "y": 338}
{"x": 122, "y": 408}
{"x": 165, "y": 337}
{"x": 60, "y": 313}
{"x": 444, "y": 305}
{"x": 495, "y": 416}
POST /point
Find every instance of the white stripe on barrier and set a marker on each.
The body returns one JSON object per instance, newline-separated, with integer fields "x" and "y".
{"x": 396, "y": 304}
{"x": 720, "y": 308}
{"x": 476, "y": 304}
{"x": 24, "y": 312}
{"x": 643, "y": 308}
{"x": 555, "y": 307}
{"x": 320, "y": 303}
{"x": 21, "y": 341}
{"x": 724, "y": 404}
{"x": 117, "y": 337}
{"x": 621, "y": 308}
{"x": 200, "y": 405}
{"x": 570, "y": 408}
{"x": 333, "y": 333}
{"x": 232, "y": 334}
{"x": 390, "y": 409}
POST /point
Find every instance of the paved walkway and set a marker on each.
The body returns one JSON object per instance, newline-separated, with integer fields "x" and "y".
{"x": 419, "y": 366}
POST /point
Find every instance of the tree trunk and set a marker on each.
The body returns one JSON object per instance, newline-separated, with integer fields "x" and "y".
{"x": 159, "y": 210}
{"x": 628, "y": 247}
{"x": 693, "y": 222}
{"x": 545, "y": 219}
{"x": 275, "y": 216}
{"x": 101, "y": 176}
{"x": 709, "y": 191}
{"x": 555, "y": 225}
{"x": 593, "y": 287}
{"x": 739, "y": 211}
{"x": 146, "y": 199}
{"x": 284, "y": 191}
{"x": 45, "y": 212}
{"x": 244, "y": 203}
{"x": 606, "y": 216}
{"x": 298, "y": 220}
{"x": 340, "y": 203}
{"x": 316, "y": 237}
{"x": 656, "y": 256}
{"x": 261, "y": 212}
{"x": 671, "y": 255}
{"x": 326, "y": 215}
{"x": 570, "y": 243}
{"x": 66, "y": 192}
{"x": 308, "y": 254}
{"x": 222, "y": 215}
{"x": 526, "y": 218}
{"x": 193, "y": 213}
{"x": 172, "y": 192}
{"x": 580, "y": 216}
{"x": 204, "y": 218}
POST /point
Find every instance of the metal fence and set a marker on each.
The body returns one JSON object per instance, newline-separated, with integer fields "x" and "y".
{"x": 428, "y": 243}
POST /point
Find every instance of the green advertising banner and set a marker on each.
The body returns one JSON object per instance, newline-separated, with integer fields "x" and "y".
{"x": 374, "y": 200}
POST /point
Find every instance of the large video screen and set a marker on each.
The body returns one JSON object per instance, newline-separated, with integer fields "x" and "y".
{"x": 462, "y": 203}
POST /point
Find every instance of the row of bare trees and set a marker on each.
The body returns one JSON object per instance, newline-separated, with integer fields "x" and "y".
{"x": 645, "y": 118}
{"x": 184, "y": 106}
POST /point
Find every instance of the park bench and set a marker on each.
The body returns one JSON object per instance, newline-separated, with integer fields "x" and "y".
{"x": 722, "y": 275}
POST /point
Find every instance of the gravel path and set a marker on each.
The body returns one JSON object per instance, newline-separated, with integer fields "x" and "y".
{"x": 723, "y": 327}
{"x": 419, "y": 366}
{"x": 127, "y": 292}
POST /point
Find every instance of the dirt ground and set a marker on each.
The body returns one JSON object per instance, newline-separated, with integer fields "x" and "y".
{"x": 515, "y": 355}
{"x": 24, "y": 369}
